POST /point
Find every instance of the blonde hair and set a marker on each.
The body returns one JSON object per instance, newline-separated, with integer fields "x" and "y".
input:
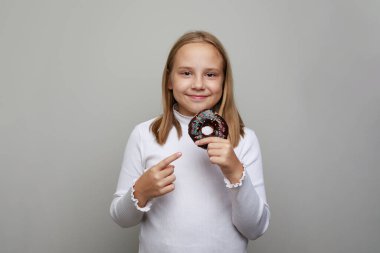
{"x": 225, "y": 107}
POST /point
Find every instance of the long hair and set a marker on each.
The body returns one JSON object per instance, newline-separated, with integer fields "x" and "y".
{"x": 226, "y": 106}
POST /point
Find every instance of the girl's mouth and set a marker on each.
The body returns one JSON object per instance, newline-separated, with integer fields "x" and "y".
{"x": 198, "y": 97}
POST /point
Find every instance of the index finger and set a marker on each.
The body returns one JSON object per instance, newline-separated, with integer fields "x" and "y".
{"x": 165, "y": 162}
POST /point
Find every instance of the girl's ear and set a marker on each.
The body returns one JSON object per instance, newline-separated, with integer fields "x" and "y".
{"x": 169, "y": 80}
{"x": 170, "y": 86}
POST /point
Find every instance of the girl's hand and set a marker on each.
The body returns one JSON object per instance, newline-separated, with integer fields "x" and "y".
{"x": 156, "y": 181}
{"x": 221, "y": 152}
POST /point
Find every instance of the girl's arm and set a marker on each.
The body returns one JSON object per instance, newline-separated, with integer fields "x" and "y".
{"x": 136, "y": 188}
{"x": 250, "y": 211}
{"x": 244, "y": 176}
{"x": 123, "y": 208}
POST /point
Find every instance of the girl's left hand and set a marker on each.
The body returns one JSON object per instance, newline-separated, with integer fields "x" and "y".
{"x": 221, "y": 152}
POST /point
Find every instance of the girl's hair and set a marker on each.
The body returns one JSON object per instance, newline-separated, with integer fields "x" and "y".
{"x": 225, "y": 107}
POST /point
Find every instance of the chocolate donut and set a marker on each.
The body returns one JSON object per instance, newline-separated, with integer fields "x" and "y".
{"x": 207, "y": 118}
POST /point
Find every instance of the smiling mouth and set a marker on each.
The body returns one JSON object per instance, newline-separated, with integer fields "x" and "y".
{"x": 198, "y": 96}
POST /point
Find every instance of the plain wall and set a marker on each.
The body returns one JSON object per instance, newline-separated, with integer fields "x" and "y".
{"x": 77, "y": 76}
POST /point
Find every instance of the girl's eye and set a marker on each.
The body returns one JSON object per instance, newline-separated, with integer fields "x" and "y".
{"x": 186, "y": 73}
{"x": 210, "y": 74}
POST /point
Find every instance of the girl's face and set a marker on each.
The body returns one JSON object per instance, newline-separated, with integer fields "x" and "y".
{"x": 197, "y": 78}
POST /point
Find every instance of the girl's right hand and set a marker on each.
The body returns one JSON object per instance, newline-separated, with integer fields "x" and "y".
{"x": 156, "y": 181}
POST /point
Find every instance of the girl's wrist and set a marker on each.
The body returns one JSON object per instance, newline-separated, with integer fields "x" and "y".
{"x": 142, "y": 200}
{"x": 235, "y": 176}
{"x": 140, "y": 203}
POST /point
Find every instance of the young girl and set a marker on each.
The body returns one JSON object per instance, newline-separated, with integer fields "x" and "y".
{"x": 188, "y": 199}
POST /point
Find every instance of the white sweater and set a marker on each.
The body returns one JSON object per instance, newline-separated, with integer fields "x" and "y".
{"x": 201, "y": 214}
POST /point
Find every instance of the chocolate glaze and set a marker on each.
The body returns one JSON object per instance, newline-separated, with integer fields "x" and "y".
{"x": 206, "y": 118}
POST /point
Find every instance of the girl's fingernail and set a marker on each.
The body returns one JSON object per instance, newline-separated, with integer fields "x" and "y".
{"x": 197, "y": 142}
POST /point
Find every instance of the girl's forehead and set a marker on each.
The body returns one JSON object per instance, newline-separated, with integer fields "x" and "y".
{"x": 198, "y": 52}
{"x": 197, "y": 48}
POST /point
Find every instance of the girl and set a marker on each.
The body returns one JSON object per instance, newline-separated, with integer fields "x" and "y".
{"x": 185, "y": 198}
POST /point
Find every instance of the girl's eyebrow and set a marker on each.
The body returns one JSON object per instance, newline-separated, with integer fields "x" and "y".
{"x": 207, "y": 69}
{"x": 184, "y": 67}
{"x": 213, "y": 69}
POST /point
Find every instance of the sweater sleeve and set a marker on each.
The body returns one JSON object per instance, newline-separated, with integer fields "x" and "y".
{"x": 123, "y": 209}
{"x": 250, "y": 211}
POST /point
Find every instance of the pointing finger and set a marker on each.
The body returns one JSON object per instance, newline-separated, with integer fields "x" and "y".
{"x": 164, "y": 163}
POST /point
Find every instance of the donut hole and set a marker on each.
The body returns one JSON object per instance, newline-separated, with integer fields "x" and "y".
{"x": 207, "y": 130}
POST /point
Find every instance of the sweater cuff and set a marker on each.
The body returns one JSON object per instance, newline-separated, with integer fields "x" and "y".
{"x": 238, "y": 184}
{"x": 148, "y": 205}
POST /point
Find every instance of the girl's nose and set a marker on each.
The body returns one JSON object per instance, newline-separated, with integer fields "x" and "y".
{"x": 198, "y": 84}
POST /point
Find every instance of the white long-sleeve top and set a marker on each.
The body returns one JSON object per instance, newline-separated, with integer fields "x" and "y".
{"x": 201, "y": 214}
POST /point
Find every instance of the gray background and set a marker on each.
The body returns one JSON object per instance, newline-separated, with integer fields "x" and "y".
{"x": 76, "y": 76}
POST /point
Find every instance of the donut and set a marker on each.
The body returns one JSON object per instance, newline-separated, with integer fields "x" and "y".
{"x": 207, "y": 118}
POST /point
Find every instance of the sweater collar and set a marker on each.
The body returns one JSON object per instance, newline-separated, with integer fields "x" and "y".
{"x": 182, "y": 119}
